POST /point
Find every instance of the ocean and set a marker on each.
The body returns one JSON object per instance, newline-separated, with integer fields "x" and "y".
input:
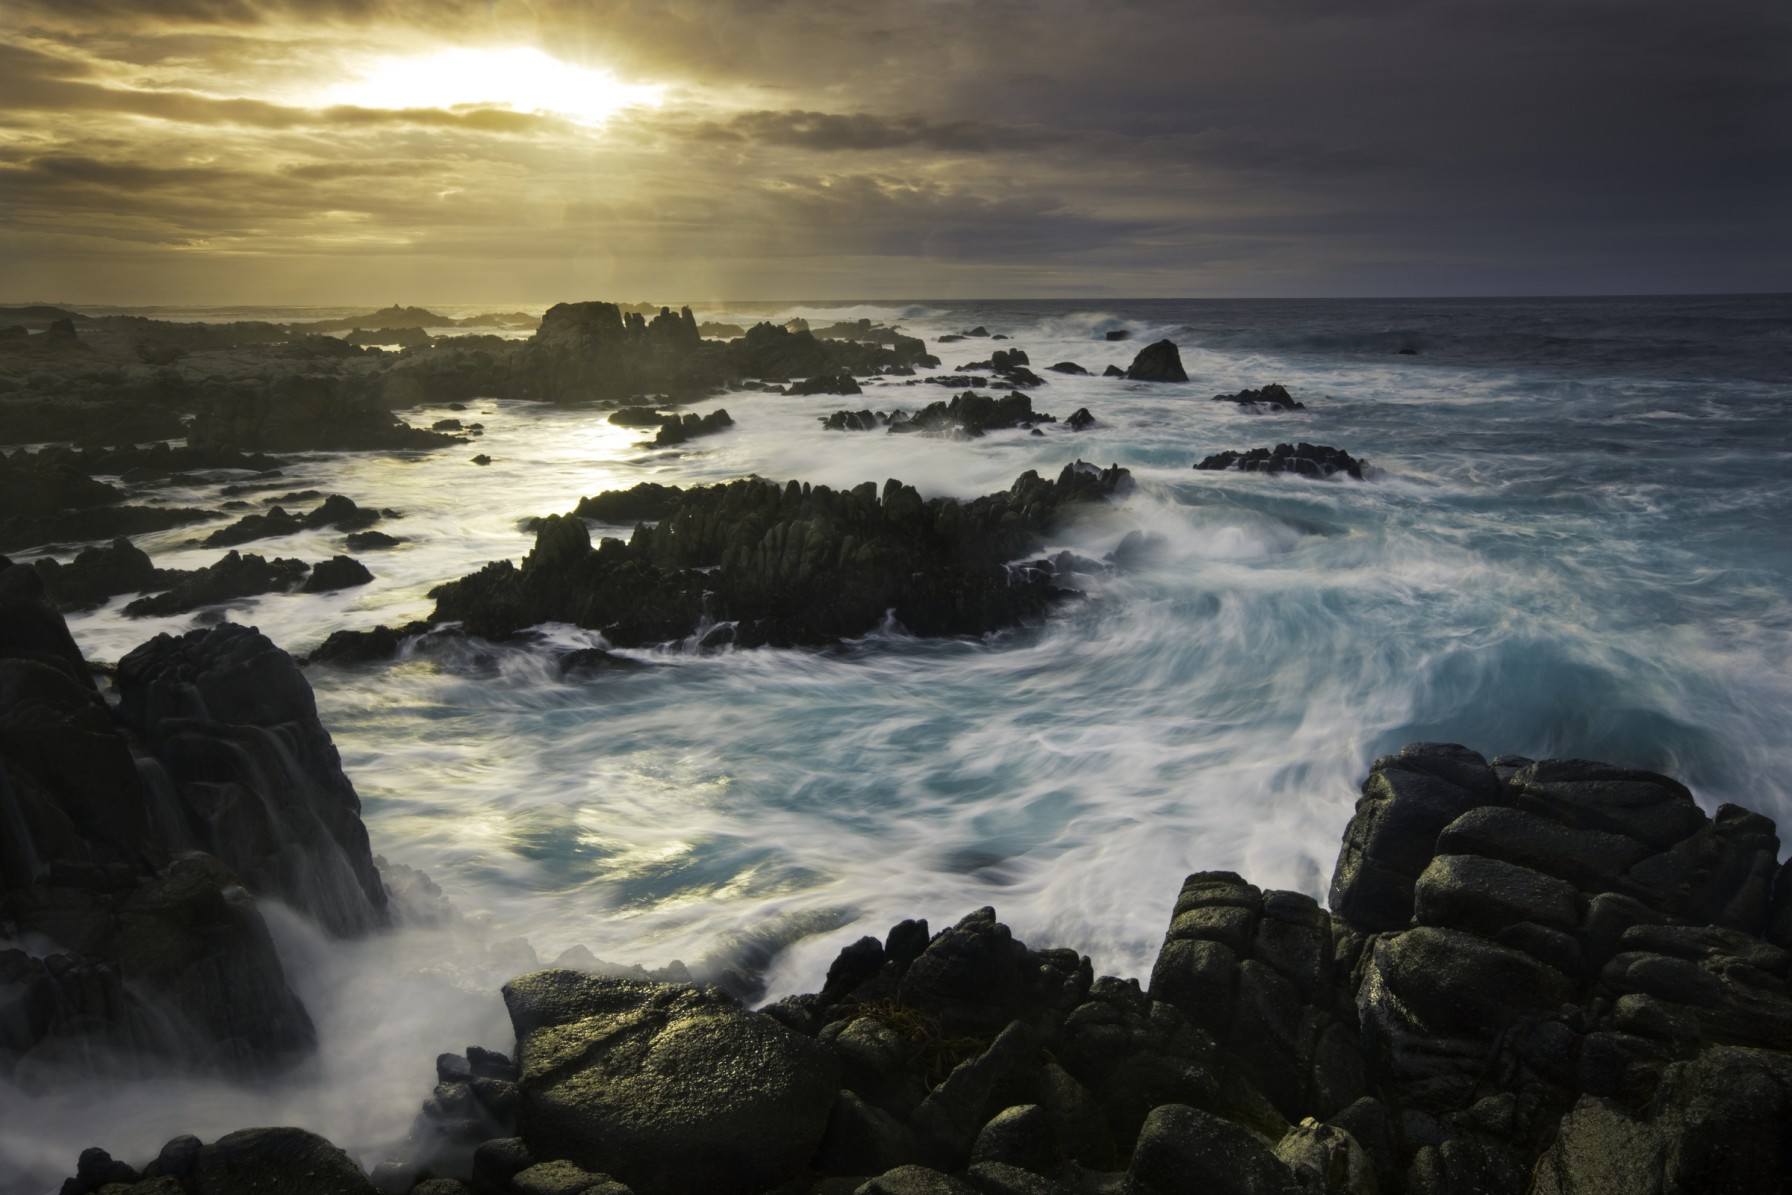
{"x": 1575, "y": 539}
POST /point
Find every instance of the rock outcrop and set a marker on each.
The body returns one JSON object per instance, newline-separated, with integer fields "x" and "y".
{"x": 160, "y": 956}
{"x": 1303, "y": 459}
{"x": 1273, "y": 397}
{"x": 751, "y": 562}
{"x": 1159, "y": 362}
{"x": 971, "y": 414}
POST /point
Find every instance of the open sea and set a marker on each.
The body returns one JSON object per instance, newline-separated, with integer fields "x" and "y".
{"x": 1575, "y": 540}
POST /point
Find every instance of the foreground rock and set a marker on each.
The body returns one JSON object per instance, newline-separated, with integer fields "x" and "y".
{"x": 1536, "y": 976}
{"x": 1303, "y": 459}
{"x": 130, "y": 842}
{"x": 758, "y": 563}
{"x": 606, "y": 1084}
{"x": 1159, "y": 362}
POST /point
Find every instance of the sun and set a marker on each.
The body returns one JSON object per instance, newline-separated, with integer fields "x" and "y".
{"x": 520, "y": 78}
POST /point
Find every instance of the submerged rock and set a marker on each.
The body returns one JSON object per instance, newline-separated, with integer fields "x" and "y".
{"x": 668, "y": 1088}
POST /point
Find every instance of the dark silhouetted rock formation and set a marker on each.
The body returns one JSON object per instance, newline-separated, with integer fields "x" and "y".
{"x": 972, "y": 414}
{"x": 1303, "y": 459}
{"x": 1272, "y": 397}
{"x": 1158, "y": 362}
{"x": 233, "y": 576}
{"x": 679, "y": 428}
{"x": 784, "y": 565}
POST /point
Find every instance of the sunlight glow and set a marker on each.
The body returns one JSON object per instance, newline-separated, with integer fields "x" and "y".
{"x": 520, "y": 78}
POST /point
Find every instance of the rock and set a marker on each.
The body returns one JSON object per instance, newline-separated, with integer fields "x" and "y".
{"x": 854, "y": 421}
{"x": 949, "y": 1119}
{"x": 235, "y": 725}
{"x": 234, "y": 576}
{"x": 335, "y": 511}
{"x": 588, "y": 660}
{"x": 1020, "y": 1136}
{"x": 638, "y": 417}
{"x": 1273, "y": 396}
{"x": 177, "y": 1158}
{"x": 862, "y": 1138}
{"x": 365, "y": 647}
{"x": 1158, "y": 362}
{"x": 691, "y": 426}
{"x": 482, "y": 459}
{"x": 606, "y": 1084}
{"x": 95, "y": 1169}
{"x": 1113, "y": 371}
{"x": 1306, "y": 460}
{"x": 1183, "y": 1149}
{"x": 564, "y": 1178}
{"x": 785, "y": 565}
{"x": 97, "y": 574}
{"x": 1080, "y": 420}
{"x": 973, "y": 414}
{"x": 276, "y": 1162}
{"x": 1119, "y": 334}
{"x": 93, "y": 523}
{"x": 1068, "y": 367}
{"x": 369, "y": 541}
{"x": 915, "y": 1180}
{"x": 338, "y": 572}
{"x": 841, "y": 383}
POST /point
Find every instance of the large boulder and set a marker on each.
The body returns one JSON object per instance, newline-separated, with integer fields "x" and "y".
{"x": 1160, "y": 362}
{"x": 669, "y": 1088}
{"x": 276, "y": 1162}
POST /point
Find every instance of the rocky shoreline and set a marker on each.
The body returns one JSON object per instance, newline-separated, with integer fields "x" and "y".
{"x": 1551, "y": 976}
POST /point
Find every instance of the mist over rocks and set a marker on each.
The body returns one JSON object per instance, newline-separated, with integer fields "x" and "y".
{"x": 782, "y": 565}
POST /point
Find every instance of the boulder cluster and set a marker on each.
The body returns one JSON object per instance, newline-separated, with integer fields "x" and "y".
{"x": 751, "y": 562}
{"x": 139, "y": 836}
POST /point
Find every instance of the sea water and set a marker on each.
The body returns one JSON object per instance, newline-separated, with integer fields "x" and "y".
{"x": 1575, "y": 539}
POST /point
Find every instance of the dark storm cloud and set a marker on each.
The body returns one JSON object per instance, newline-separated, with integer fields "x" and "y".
{"x": 1212, "y": 145}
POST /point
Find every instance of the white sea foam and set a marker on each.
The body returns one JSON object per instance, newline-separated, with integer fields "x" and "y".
{"x": 1531, "y": 572}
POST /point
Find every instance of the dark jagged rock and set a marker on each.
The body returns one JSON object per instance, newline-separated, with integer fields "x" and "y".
{"x": 1553, "y": 976}
{"x": 234, "y": 724}
{"x": 783, "y": 565}
{"x": 161, "y": 954}
{"x": 1273, "y": 396}
{"x": 855, "y": 421}
{"x": 678, "y": 429}
{"x": 338, "y": 572}
{"x": 1158, "y": 362}
{"x": 1113, "y": 371}
{"x": 1303, "y": 459}
{"x": 1070, "y": 367}
{"x": 972, "y": 414}
{"x": 841, "y": 383}
{"x": 335, "y": 511}
{"x": 606, "y": 1084}
{"x": 369, "y": 541}
{"x": 97, "y": 574}
{"x": 365, "y": 647}
{"x": 302, "y": 412}
{"x": 638, "y": 417}
{"x": 233, "y": 576}
{"x": 1080, "y": 420}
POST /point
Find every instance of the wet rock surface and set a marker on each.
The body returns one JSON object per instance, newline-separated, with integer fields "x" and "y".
{"x": 1536, "y": 976}
{"x": 1159, "y": 362}
{"x": 790, "y": 564}
{"x": 1273, "y": 397}
{"x": 1303, "y": 460}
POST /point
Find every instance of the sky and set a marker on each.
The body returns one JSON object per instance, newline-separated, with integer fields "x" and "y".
{"x": 517, "y": 154}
